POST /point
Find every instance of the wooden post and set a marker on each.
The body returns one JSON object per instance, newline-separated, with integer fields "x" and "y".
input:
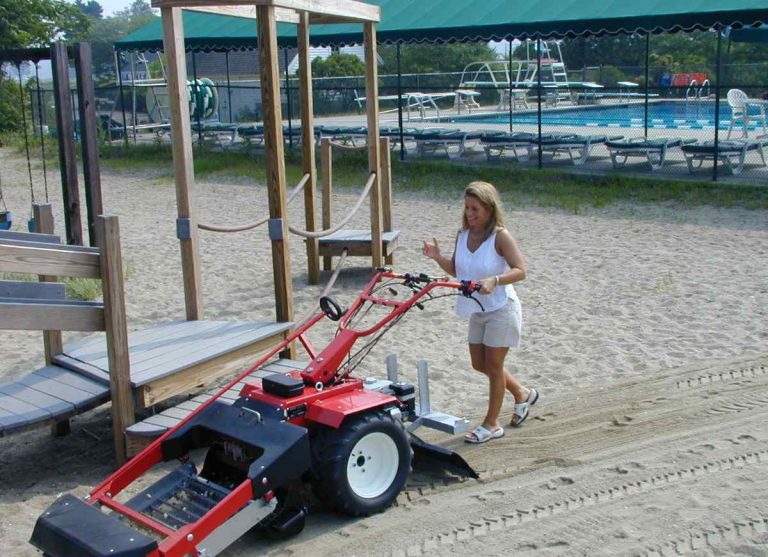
{"x": 386, "y": 190}
{"x": 275, "y": 163}
{"x": 308, "y": 146}
{"x": 326, "y": 160}
{"x": 52, "y": 343}
{"x": 65, "y": 126}
{"x": 43, "y": 216}
{"x": 89, "y": 132}
{"x": 374, "y": 164}
{"x": 183, "y": 160}
{"x": 108, "y": 231}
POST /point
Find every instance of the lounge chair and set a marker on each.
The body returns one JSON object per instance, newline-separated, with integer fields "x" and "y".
{"x": 496, "y": 143}
{"x": 346, "y": 135}
{"x": 733, "y": 154}
{"x": 429, "y": 140}
{"x": 216, "y": 133}
{"x": 653, "y": 150}
{"x": 253, "y": 134}
{"x": 578, "y": 147}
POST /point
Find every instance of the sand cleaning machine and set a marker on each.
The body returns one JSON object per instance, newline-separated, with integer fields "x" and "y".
{"x": 250, "y": 464}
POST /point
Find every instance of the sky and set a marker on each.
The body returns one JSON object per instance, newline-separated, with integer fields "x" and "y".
{"x": 112, "y": 6}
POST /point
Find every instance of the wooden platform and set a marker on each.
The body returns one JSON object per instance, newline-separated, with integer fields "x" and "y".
{"x": 141, "y": 434}
{"x": 47, "y": 395}
{"x": 165, "y": 360}
{"x": 174, "y": 358}
{"x": 357, "y": 242}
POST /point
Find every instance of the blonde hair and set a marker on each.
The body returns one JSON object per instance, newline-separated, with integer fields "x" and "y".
{"x": 487, "y": 195}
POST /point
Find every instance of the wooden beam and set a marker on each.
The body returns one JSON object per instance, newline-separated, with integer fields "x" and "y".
{"x": 43, "y": 216}
{"x": 326, "y": 161}
{"x": 281, "y": 15}
{"x": 54, "y": 260}
{"x": 63, "y": 316}
{"x": 374, "y": 155}
{"x": 89, "y": 137}
{"x": 308, "y": 146}
{"x": 66, "y": 140}
{"x": 386, "y": 191}
{"x": 275, "y": 163}
{"x": 344, "y": 10}
{"x": 183, "y": 160}
{"x": 108, "y": 231}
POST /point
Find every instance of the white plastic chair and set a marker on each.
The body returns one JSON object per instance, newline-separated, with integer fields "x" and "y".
{"x": 737, "y": 100}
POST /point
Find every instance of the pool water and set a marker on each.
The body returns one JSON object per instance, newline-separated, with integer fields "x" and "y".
{"x": 661, "y": 114}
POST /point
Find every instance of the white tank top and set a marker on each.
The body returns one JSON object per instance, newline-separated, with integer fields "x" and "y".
{"x": 480, "y": 264}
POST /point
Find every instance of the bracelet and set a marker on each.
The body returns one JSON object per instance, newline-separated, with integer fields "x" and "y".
{"x": 497, "y": 280}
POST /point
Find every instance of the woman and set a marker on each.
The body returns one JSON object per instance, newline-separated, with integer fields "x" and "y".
{"x": 486, "y": 252}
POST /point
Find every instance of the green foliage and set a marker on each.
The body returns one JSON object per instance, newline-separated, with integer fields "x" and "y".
{"x": 10, "y": 116}
{"x": 31, "y": 23}
{"x": 432, "y": 58}
{"x": 105, "y": 31}
{"x": 76, "y": 288}
{"x": 338, "y": 65}
{"x": 90, "y": 8}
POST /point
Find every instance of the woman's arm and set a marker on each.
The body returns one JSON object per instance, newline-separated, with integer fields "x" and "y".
{"x": 433, "y": 252}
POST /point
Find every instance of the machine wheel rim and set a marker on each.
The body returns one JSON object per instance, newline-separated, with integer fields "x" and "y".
{"x": 372, "y": 465}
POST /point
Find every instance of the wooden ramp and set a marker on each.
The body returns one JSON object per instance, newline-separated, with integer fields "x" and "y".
{"x": 141, "y": 434}
{"x": 356, "y": 242}
{"x": 50, "y": 394}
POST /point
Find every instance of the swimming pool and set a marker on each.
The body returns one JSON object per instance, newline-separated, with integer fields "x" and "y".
{"x": 695, "y": 115}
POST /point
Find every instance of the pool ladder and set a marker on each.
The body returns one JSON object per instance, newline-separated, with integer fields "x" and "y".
{"x": 696, "y": 92}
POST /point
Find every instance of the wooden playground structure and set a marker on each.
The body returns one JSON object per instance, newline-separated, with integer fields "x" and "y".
{"x": 139, "y": 369}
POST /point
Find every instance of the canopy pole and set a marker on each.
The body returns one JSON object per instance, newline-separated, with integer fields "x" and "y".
{"x": 197, "y": 97}
{"x": 122, "y": 97}
{"x": 400, "y": 103}
{"x": 717, "y": 102}
{"x": 538, "y": 83}
{"x": 133, "y": 97}
{"x": 509, "y": 78}
{"x": 308, "y": 162}
{"x": 288, "y": 98}
{"x": 229, "y": 84}
{"x": 183, "y": 160}
{"x": 645, "y": 104}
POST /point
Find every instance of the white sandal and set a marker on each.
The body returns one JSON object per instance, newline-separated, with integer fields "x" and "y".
{"x": 482, "y": 434}
{"x": 521, "y": 409}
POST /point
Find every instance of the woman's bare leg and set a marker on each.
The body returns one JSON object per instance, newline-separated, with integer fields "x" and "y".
{"x": 477, "y": 353}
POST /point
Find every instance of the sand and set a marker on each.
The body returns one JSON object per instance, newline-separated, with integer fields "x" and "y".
{"x": 646, "y": 333}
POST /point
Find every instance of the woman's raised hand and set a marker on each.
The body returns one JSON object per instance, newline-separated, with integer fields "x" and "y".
{"x": 431, "y": 250}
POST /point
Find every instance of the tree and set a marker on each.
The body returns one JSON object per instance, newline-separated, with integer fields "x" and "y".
{"x": 33, "y": 23}
{"x": 434, "y": 58}
{"x": 91, "y": 8}
{"x": 338, "y": 65}
{"x": 107, "y": 30}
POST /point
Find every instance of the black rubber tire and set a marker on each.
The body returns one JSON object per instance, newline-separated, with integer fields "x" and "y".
{"x": 332, "y": 452}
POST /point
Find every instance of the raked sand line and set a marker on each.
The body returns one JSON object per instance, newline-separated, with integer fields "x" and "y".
{"x": 634, "y": 438}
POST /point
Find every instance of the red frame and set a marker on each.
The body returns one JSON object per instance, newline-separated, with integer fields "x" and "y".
{"x": 346, "y": 393}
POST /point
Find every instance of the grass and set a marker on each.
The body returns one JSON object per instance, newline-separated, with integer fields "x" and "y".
{"x": 77, "y": 288}
{"x": 544, "y": 188}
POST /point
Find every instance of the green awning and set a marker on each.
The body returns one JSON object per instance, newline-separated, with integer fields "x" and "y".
{"x": 462, "y": 20}
{"x": 750, "y": 35}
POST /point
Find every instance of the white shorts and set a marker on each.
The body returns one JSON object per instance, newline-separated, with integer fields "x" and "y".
{"x": 501, "y": 328}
